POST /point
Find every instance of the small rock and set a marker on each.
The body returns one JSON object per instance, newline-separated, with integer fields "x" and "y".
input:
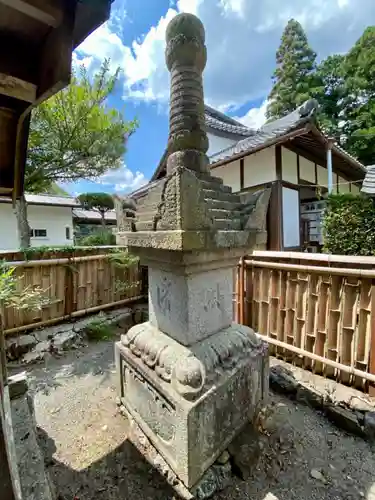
{"x": 369, "y": 425}
{"x": 34, "y": 357}
{"x": 105, "y": 428}
{"x": 245, "y": 451}
{"x": 17, "y": 346}
{"x": 345, "y": 419}
{"x": 64, "y": 340}
{"x": 223, "y": 458}
{"x": 281, "y": 380}
{"x": 316, "y": 474}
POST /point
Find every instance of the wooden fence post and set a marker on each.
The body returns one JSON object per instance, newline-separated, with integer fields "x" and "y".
{"x": 241, "y": 297}
{"x": 69, "y": 288}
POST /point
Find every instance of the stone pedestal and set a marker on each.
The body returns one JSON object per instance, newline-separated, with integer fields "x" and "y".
{"x": 190, "y": 378}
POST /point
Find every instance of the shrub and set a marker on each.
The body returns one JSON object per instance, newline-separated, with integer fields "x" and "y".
{"x": 349, "y": 225}
{"x": 99, "y": 238}
{"x": 99, "y": 329}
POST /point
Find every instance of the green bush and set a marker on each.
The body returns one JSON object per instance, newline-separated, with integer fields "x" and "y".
{"x": 349, "y": 225}
{"x": 99, "y": 238}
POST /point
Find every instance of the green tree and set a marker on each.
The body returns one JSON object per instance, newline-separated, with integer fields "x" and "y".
{"x": 101, "y": 202}
{"x": 74, "y": 135}
{"x": 294, "y": 78}
{"x": 359, "y": 102}
{"x": 331, "y": 94}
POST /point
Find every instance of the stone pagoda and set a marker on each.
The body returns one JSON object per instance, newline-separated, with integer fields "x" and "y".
{"x": 190, "y": 378}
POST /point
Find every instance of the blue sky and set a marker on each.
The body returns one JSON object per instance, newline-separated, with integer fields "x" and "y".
{"x": 242, "y": 37}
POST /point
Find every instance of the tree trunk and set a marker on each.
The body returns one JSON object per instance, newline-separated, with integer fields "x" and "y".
{"x": 103, "y": 219}
{"x": 22, "y": 222}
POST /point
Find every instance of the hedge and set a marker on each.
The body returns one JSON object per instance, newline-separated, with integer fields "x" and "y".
{"x": 349, "y": 225}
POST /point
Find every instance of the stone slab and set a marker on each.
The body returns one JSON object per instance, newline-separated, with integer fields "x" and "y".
{"x": 192, "y": 308}
{"x": 191, "y": 402}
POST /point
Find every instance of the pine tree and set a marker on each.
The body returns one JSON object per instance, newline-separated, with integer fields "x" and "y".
{"x": 293, "y": 79}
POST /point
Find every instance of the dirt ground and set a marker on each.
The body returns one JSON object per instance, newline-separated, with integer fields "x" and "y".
{"x": 304, "y": 458}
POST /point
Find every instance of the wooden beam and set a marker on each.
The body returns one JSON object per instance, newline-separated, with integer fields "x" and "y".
{"x": 274, "y": 218}
{"x": 242, "y": 174}
{"x": 44, "y": 11}
{"x": 17, "y": 88}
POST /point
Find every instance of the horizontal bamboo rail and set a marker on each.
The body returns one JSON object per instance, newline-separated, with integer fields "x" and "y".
{"x": 311, "y": 355}
{"x": 316, "y": 311}
{"x": 75, "y": 286}
{"x": 365, "y": 273}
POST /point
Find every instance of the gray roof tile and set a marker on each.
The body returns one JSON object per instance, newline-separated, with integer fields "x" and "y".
{"x": 270, "y": 131}
{"x": 219, "y": 121}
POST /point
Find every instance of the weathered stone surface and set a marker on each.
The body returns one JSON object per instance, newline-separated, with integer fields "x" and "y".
{"x": 309, "y": 396}
{"x": 369, "y": 425}
{"x": 344, "y": 418}
{"x": 245, "y": 451}
{"x": 282, "y": 381}
{"x": 167, "y": 388}
{"x": 16, "y": 346}
{"x": 17, "y": 385}
{"x": 65, "y": 340}
{"x": 215, "y": 479}
{"x": 207, "y": 309}
{"x": 34, "y": 357}
{"x": 49, "y": 332}
{"x": 35, "y": 482}
{"x": 190, "y": 378}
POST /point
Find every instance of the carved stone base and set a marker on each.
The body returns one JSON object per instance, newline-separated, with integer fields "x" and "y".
{"x": 191, "y": 401}
{"x": 215, "y": 479}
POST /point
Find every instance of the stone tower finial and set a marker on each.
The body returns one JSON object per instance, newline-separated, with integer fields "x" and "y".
{"x": 186, "y": 58}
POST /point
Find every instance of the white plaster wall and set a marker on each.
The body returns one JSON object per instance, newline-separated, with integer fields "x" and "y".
{"x": 54, "y": 219}
{"x": 291, "y": 222}
{"x": 322, "y": 176}
{"x": 217, "y": 143}
{"x": 355, "y": 189}
{"x": 230, "y": 173}
{"x": 289, "y": 166}
{"x": 306, "y": 170}
{"x": 260, "y": 167}
{"x": 343, "y": 185}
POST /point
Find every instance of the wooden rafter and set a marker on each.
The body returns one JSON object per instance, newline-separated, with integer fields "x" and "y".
{"x": 44, "y": 11}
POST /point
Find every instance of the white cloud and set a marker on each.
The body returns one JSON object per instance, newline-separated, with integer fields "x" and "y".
{"x": 122, "y": 179}
{"x": 255, "y": 117}
{"x": 242, "y": 37}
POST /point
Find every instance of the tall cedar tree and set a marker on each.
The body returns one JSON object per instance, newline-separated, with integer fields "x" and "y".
{"x": 74, "y": 135}
{"x": 294, "y": 77}
{"x": 359, "y": 102}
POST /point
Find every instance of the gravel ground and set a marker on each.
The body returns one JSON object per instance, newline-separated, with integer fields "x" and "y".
{"x": 303, "y": 456}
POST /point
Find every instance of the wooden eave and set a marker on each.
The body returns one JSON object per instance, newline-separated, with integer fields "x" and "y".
{"x": 37, "y": 37}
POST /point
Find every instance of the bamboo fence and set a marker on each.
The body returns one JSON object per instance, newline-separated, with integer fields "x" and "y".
{"x": 75, "y": 286}
{"x": 316, "y": 311}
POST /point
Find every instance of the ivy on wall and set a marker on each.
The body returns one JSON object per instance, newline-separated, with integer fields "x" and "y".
{"x": 349, "y": 225}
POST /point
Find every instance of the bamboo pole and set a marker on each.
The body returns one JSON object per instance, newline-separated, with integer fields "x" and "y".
{"x": 337, "y": 271}
{"x": 345, "y": 368}
{"x": 75, "y": 314}
{"x": 241, "y": 296}
{"x": 321, "y": 257}
{"x": 55, "y": 262}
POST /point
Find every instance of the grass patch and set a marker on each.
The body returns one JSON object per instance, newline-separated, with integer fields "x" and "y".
{"x": 99, "y": 329}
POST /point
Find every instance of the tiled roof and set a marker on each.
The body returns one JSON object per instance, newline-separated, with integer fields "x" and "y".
{"x": 294, "y": 120}
{"x": 47, "y": 199}
{"x": 219, "y": 121}
{"x": 93, "y": 214}
{"x": 368, "y": 185}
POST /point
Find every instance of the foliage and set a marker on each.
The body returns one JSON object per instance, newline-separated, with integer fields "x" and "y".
{"x": 99, "y": 238}
{"x": 294, "y": 79}
{"x": 359, "y": 103}
{"x": 349, "y": 225}
{"x": 124, "y": 260}
{"x": 11, "y": 295}
{"x": 99, "y": 329}
{"x": 330, "y": 94}
{"x": 100, "y": 202}
{"x": 75, "y": 135}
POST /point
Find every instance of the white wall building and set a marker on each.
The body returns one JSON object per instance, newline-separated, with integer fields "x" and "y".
{"x": 50, "y": 219}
